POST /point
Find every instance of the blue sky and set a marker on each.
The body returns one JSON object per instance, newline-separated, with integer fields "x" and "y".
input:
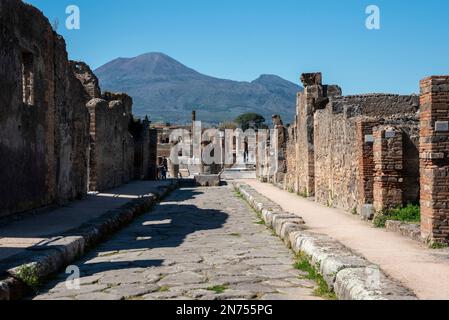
{"x": 241, "y": 39}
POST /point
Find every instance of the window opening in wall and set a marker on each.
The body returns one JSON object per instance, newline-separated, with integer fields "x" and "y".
{"x": 28, "y": 78}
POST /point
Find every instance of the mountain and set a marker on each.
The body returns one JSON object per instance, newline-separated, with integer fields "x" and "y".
{"x": 166, "y": 90}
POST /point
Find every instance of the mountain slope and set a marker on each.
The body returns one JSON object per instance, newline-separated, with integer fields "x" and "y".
{"x": 168, "y": 91}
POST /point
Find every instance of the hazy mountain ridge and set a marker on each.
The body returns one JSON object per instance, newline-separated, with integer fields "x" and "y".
{"x": 167, "y": 90}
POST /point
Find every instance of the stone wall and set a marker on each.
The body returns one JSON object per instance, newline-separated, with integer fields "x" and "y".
{"x": 43, "y": 119}
{"x": 343, "y": 146}
{"x": 434, "y": 159}
{"x": 329, "y": 150}
{"x": 46, "y": 155}
{"x": 290, "y": 181}
{"x": 112, "y": 146}
{"x": 336, "y": 166}
{"x": 144, "y": 159}
{"x": 280, "y": 151}
{"x": 315, "y": 97}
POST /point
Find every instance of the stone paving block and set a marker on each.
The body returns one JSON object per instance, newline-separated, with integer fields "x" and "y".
{"x": 343, "y": 271}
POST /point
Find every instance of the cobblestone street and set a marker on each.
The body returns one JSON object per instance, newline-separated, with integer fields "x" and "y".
{"x": 200, "y": 243}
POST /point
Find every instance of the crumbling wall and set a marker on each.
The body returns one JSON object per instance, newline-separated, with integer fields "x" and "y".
{"x": 43, "y": 120}
{"x": 343, "y": 147}
{"x": 315, "y": 97}
{"x": 280, "y": 166}
{"x": 290, "y": 182}
{"x": 87, "y": 78}
{"x": 389, "y": 164}
{"x": 152, "y": 155}
{"x": 112, "y": 146}
{"x": 140, "y": 130}
{"x": 434, "y": 159}
{"x": 336, "y": 166}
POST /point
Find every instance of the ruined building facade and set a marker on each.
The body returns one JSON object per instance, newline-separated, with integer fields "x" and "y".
{"x": 59, "y": 136}
{"x": 370, "y": 153}
{"x": 358, "y": 153}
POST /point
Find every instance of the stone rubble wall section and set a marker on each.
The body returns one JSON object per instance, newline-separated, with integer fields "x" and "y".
{"x": 43, "y": 119}
{"x": 55, "y": 254}
{"x": 328, "y": 152}
{"x": 346, "y": 273}
{"x": 46, "y": 153}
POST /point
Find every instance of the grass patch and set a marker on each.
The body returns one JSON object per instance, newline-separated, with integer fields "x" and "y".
{"x": 218, "y": 289}
{"x": 410, "y": 213}
{"x": 303, "y": 264}
{"x": 261, "y": 222}
{"x": 235, "y": 234}
{"x": 163, "y": 289}
{"x": 238, "y": 194}
{"x": 28, "y": 274}
{"x": 304, "y": 193}
{"x": 438, "y": 245}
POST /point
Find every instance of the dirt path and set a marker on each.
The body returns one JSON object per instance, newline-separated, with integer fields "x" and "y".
{"x": 423, "y": 270}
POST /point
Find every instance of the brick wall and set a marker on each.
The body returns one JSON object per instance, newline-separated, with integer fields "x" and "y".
{"x": 434, "y": 158}
{"x": 343, "y": 147}
{"x": 365, "y": 155}
{"x": 388, "y": 168}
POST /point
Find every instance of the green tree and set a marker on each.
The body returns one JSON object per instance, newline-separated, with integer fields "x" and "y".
{"x": 250, "y": 120}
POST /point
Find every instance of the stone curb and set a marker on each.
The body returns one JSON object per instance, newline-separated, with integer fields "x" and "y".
{"x": 349, "y": 275}
{"x": 405, "y": 229}
{"x": 56, "y": 253}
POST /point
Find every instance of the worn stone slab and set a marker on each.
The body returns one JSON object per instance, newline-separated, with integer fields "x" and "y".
{"x": 408, "y": 230}
{"x": 208, "y": 180}
{"x": 54, "y": 254}
{"x": 369, "y": 284}
{"x": 200, "y": 243}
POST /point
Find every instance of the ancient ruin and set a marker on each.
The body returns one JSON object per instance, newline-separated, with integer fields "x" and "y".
{"x": 59, "y": 135}
{"x": 320, "y": 208}
{"x": 363, "y": 153}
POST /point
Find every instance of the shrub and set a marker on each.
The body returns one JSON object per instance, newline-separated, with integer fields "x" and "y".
{"x": 409, "y": 213}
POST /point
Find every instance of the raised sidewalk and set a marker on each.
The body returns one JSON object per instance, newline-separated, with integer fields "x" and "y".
{"x": 423, "y": 270}
{"x": 49, "y": 241}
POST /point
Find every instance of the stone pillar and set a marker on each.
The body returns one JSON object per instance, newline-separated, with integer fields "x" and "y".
{"x": 173, "y": 169}
{"x": 388, "y": 168}
{"x": 315, "y": 96}
{"x": 281, "y": 146}
{"x": 434, "y": 159}
{"x": 307, "y": 101}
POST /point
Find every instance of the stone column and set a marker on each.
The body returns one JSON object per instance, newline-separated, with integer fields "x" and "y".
{"x": 388, "y": 167}
{"x": 281, "y": 170}
{"x": 173, "y": 169}
{"x": 434, "y": 159}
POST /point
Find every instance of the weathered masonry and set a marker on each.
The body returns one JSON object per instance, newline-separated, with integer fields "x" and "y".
{"x": 369, "y": 153}
{"x": 43, "y": 119}
{"x": 434, "y": 158}
{"x": 52, "y": 147}
{"x": 358, "y": 153}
